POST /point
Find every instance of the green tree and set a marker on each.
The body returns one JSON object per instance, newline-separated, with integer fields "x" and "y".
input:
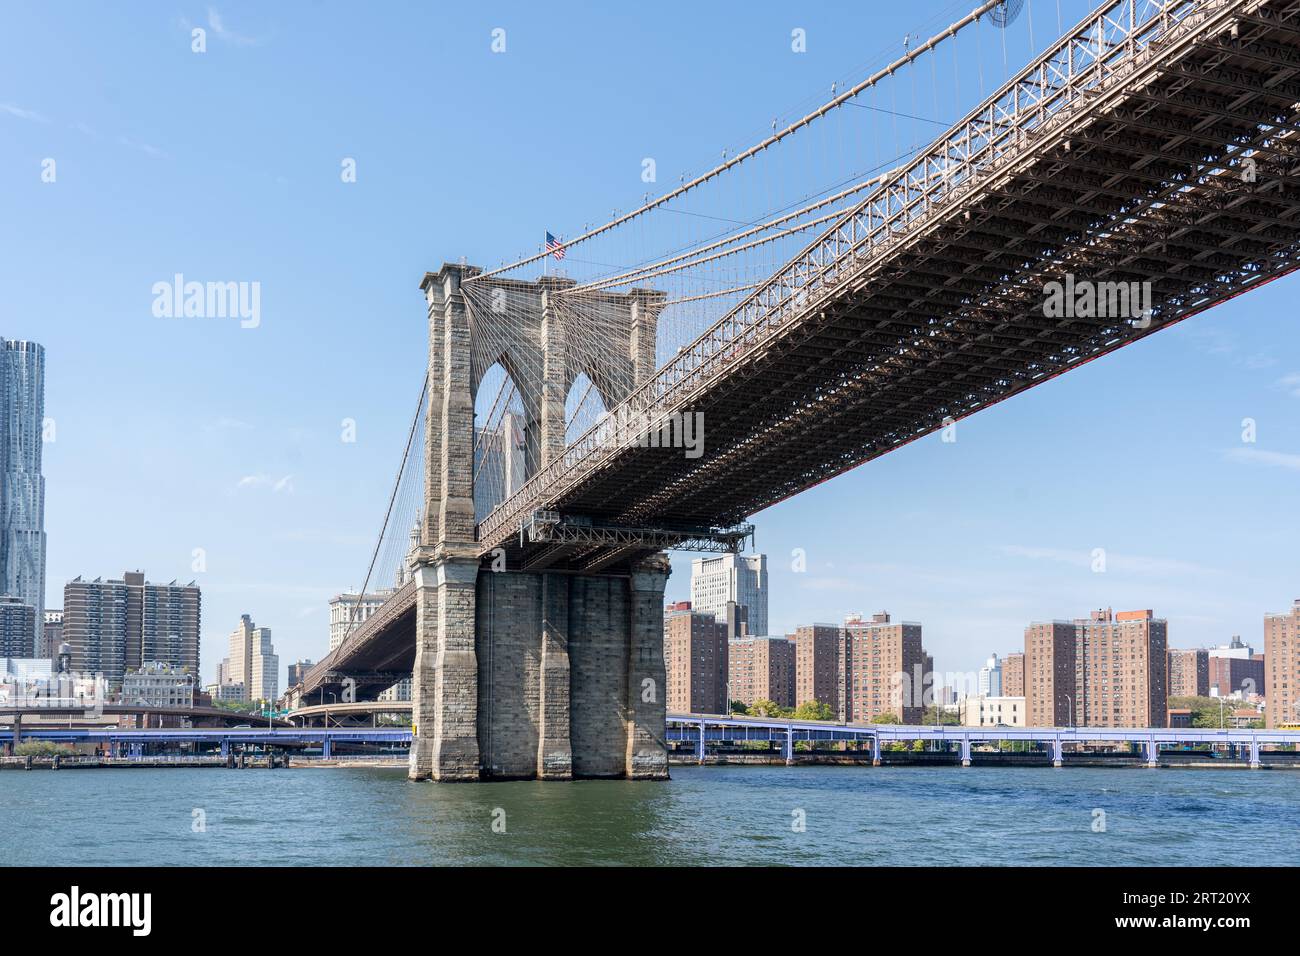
{"x": 1207, "y": 712}
{"x": 886, "y": 718}
{"x": 813, "y": 710}
{"x": 738, "y": 707}
{"x": 937, "y": 716}
{"x": 765, "y": 708}
{"x": 42, "y": 748}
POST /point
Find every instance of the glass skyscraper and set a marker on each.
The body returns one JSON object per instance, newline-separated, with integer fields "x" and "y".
{"x": 22, "y": 488}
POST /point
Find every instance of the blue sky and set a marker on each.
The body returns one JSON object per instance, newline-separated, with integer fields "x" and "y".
{"x": 174, "y": 435}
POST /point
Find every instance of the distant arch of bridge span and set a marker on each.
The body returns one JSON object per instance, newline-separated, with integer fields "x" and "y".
{"x": 1151, "y": 148}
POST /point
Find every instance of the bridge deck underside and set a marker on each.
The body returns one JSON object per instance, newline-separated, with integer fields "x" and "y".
{"x": 375, "y": 655}
{"x": 1144, "y": 188}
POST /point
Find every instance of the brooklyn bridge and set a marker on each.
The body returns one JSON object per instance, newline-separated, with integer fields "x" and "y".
{"x": 858, "y": 286}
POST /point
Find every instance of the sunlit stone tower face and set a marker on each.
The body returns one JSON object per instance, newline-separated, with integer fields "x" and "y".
{"x": 22, "y": 488}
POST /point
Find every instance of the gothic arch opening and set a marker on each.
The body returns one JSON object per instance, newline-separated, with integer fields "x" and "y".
{"x": 583, "y": 407}
{"x": 505, "y": 447}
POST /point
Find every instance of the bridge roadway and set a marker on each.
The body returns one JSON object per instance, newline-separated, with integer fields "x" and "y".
{"x": 133, "y": 741}
{"x": 703, "y": 729}
{"x": 341, "y": 712}
{"x": 118, "y": 710}
{"x": 1158, "y": 149}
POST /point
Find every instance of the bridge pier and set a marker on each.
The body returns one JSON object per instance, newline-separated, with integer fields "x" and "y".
{"x": 527, "y": 671}
{"x": 540, "y": 675}
{"x": 445, "y": 699}
{"x": 554, "y": 747}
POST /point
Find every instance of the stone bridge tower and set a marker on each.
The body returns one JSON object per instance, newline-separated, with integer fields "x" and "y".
{"x": 522, "y": 674}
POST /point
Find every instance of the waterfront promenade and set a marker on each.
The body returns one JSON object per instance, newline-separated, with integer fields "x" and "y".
{"x": 701, "y": 738}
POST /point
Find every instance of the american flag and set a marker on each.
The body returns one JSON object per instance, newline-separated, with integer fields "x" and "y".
{"x": 555, "y": 246}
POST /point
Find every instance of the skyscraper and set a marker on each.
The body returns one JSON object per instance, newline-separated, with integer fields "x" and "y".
{"x": 1107, "y": 670}
{"x": 1013, "y": 674}
{"x": 818, "y": 676}
{"x": 741, "y": 578}
{"x": 53, "y": 635}
{"x": 761, "y": 668}
{"x": 1282, "y": 658}
{"x": 22, "y": 510}
{"x": 253, "y": 661}
{"x": 883, "y": 669}
{"x": 116, "y": 626}
{"x": 120, "y": 624}
{"x": 695, "y": 661}
{"x": 17, "y": 627}
{"x": 1189, "y": 672}
{"x": 298, "y": 671}
{"x": 350, "y": 610}
{"x": 1236, "y": 670}
{"x": 1049, "y": 674}
{"x": 991, "y": 678}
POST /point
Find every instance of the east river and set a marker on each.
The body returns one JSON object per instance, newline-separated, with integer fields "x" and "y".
{"x": 705, "y": 815}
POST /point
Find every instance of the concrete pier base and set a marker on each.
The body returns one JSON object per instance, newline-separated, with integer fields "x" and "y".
{"x": 445, "y": 698}
{"x": 555, "y": 676}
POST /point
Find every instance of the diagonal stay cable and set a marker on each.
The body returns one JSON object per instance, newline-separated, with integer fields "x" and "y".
{"x": 401, "y": 470}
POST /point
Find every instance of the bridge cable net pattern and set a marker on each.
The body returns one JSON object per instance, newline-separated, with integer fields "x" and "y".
{"x": 710, "y": 245}
{"x": 759, "y": 287}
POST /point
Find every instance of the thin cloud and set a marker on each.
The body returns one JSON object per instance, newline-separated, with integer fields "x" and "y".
{"x": 35, "y": 117}
{"x": 276, "y": 485}
{"x": 1258, "y": 456}
{"x": 1125, "y": 563}
{"x": 142, "y": 147}
{"x": 219, "y": 29}
{"x": 1290, "y": 384}
{"x": 21, "y": 113}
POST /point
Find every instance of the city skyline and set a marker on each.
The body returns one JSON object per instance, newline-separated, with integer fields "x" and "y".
{"x": 658, "y": 436}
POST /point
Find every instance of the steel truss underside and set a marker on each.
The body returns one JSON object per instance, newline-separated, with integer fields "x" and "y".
{"x": 1149, "y": 186}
